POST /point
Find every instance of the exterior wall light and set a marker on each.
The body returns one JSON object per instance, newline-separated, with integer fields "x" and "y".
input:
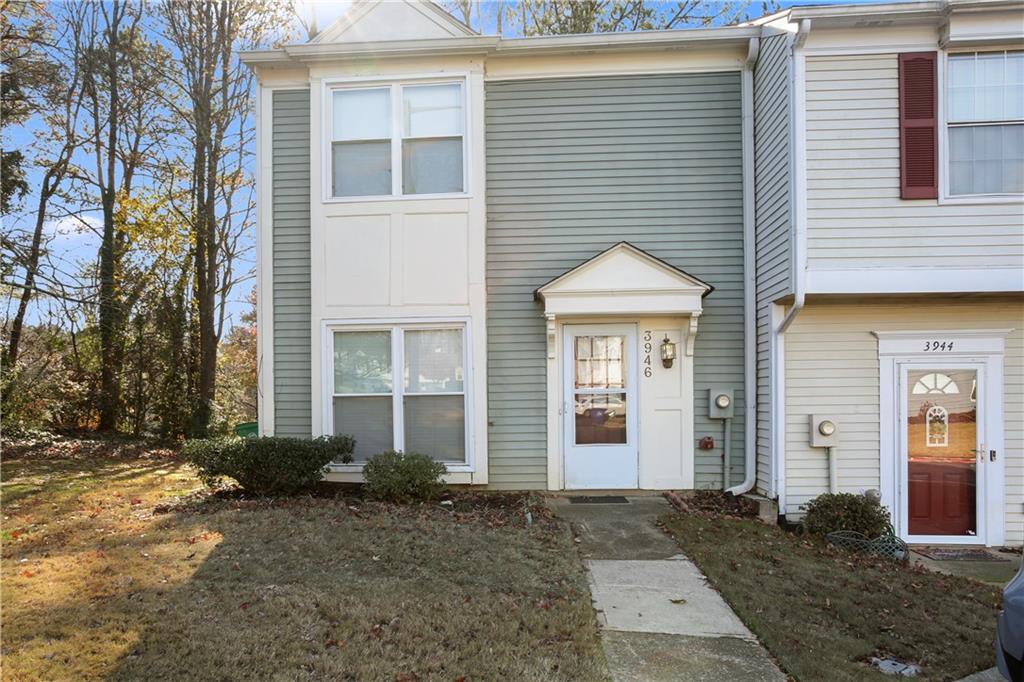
{"x": 668, "y": 353}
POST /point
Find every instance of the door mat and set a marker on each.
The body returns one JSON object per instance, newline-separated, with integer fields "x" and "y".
{"x": 589, "y": 499}
{"x": 952, "y": 554}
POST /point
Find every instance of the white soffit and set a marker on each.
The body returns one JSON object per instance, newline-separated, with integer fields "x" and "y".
{"x": 623, "y": 280}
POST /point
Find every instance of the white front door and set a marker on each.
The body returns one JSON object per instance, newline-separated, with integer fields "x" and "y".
{"x": 599, "y": 404}
{"x": 942, "y": 460}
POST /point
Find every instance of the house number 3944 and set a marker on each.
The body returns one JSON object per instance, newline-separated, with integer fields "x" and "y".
{"x": 934, "y": 346}
{"x": 648, "y": 349}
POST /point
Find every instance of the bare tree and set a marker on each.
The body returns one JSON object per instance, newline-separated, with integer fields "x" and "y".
{"x": 63, "y": 93}
{"x": 122, "y": 128}
{"x": 215, "y": 91}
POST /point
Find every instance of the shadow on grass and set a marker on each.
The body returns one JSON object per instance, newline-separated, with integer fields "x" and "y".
{"x": 99, "y": 586}
{"x": 309, "y": 590}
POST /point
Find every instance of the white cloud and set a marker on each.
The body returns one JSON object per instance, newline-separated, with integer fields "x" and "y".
{"x": 71, "y": 228}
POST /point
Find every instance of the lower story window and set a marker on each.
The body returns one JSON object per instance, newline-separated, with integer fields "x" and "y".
{"x": 402, "y": 388}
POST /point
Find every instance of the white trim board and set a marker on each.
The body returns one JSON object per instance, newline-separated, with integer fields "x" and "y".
{"x": 915, "y": 280}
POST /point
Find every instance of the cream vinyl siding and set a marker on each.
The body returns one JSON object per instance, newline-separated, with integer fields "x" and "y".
{"x": 832, "y": 368}
{"x": 855, "y": 218}
{"x": 771, "y": 205}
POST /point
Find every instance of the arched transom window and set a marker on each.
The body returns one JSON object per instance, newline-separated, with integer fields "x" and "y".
{"x": 935, "y": 383}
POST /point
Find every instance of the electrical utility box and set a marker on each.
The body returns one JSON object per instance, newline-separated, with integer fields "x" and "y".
{"x": 720, "y": 403}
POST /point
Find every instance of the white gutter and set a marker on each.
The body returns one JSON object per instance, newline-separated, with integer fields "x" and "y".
{"x": 295, "y": 55}
{"x": 749, "y": 277}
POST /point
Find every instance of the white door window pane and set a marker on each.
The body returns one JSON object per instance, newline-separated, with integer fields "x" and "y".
{"x": 367, "y": 419}
{"x": 362, "y": 362}
{"x": 435, "y": 425}
{"x": 432, "y": 166}
{"x": 362, "y": 114}
{"x": 433, "y": 361}
{"x": 432, "y": 110}
{"x": 361, "y": 169}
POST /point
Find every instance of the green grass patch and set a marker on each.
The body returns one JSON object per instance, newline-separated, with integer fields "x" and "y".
{"x": 823, "y": 612}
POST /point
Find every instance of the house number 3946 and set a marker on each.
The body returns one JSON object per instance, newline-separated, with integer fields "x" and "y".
{"x": 648, "y": 348}
{"x": 933, "y": 346}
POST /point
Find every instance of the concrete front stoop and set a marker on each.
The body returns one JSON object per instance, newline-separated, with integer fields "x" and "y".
{"x": 660, "y": 619}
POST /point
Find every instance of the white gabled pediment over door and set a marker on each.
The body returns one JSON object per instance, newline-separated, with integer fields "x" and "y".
{"x": 386, "y": 20}
{"x": 623, "y": 280}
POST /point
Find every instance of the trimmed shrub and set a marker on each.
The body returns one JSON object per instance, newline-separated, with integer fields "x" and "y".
{"x": 845, "y": 511}
{"x": 403, "y": 477}
{"x": 267, "y": 465}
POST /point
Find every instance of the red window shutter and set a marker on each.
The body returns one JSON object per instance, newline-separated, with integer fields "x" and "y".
{"x": 919, "y": 157}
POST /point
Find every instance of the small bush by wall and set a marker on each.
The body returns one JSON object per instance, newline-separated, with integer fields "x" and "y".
{"x": 845, "y": 511}
{"x": 403, "y": 477}
{"x": 267, "y": 465}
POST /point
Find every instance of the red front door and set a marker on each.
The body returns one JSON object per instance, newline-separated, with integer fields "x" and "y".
{"x": 941, "y": 450}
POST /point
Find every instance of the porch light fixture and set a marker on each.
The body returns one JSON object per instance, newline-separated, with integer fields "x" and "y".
{"x": 668, "y": 353}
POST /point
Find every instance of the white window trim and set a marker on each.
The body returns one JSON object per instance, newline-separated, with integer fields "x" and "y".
{"x": 328, "y": 86}
{"x": 397, "y": 369}
{"x": 943, "y": 138}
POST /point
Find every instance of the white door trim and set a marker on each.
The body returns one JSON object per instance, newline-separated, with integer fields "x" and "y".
{"x": 983, "y": 347}
{"x": 567, "y": 410}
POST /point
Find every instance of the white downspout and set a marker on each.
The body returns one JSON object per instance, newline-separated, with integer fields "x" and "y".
{"x": 798, "y": 260}
{"x": 798, "y": 177}
{"x": 749, "y": 277}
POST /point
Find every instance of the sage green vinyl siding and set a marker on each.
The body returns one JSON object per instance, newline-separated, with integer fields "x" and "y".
{"x": 576, "y": 165}
{"x": 291, "y": 262}
{"x": 771, "y": 209}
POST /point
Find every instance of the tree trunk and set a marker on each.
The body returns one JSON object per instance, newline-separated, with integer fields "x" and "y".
{"x": 31, "y": 267}
{"x": 109, "y": 308}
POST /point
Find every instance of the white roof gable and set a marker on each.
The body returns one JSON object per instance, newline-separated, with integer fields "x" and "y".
{"x": 624, "y": 280}
{"x": 386, "y": 20}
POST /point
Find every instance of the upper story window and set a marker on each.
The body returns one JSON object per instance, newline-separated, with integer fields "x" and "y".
{"x": 402, "y": 139}
{"x": 985, "y": 120}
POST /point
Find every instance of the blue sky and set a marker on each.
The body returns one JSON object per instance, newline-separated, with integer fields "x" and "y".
{"x": 75, "y": 242}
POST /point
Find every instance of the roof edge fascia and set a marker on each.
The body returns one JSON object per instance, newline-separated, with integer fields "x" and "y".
{"x": 732, "y": 36}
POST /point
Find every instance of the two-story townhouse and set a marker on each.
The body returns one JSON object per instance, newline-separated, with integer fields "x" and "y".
{"x": 528, "y": 258}
{"x": 890, "y": 262}
{"x": 627, "y": 261}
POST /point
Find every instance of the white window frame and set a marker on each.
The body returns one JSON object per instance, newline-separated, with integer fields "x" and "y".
{"x": 396, "y": 84}
{"x": 397, "y": 328}
{"x": 943, "y": 137}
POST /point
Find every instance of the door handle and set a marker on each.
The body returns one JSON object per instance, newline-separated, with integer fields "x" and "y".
{"x": 991, "y": 455}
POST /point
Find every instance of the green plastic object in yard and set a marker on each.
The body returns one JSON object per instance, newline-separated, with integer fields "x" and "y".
{"x": 247, "y": 429}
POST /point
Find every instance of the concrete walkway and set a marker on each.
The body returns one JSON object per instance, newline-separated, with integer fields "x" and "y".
{"x": 660, "y": 619}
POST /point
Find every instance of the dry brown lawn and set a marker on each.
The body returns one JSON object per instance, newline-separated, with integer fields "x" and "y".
{"x": 823, "y": 612}
{"x": 110, "y": 572}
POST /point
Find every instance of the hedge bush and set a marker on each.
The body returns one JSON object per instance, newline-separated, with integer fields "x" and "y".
{"x": 267, "y": 465}
{"x": 845, "y": 511}
{"x": 403, "y": 477}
